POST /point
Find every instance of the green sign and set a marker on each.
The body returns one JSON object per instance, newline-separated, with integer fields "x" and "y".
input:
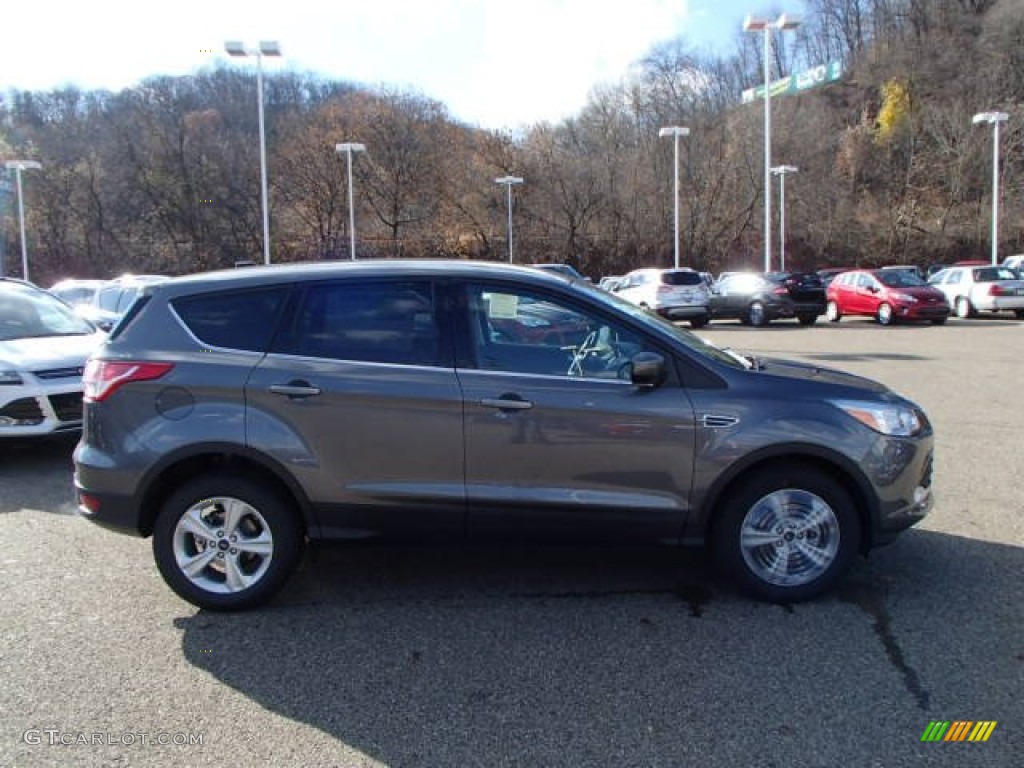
{"x": 823, "y": 73}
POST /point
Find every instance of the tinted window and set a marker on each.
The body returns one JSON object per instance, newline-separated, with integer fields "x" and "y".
{"x": 242, "y": 320}
{"x": 989, "y": 274}
{"x": 681, "y": 278}
{"x": 374, "y": 322}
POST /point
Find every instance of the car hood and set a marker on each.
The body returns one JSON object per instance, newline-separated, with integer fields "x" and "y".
{"x": 45, "y": 352}
{"x": 920, "y": 292}
{"x": 790, "y": 369}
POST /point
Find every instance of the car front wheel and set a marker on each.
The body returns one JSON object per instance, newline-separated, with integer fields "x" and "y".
{"x": 226, "y": 542}
{"x": 885, "y": 314}
{"x": 787, "y": 533}
{"x": 964, "y": 308}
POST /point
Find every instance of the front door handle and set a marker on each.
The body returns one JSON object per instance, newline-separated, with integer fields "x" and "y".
{"x": 297, "y": 389}
{"x": 506, "y": 403}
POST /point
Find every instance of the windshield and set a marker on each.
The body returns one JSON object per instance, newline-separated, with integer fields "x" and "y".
{"x": 691, "y": 341}
{"x": 897, "y": 278}
{"x": 26, "y": 313}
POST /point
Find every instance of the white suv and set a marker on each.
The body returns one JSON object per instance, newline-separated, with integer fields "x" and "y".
{"x": 43, "y": 348}
{"x": 678, "y": 294}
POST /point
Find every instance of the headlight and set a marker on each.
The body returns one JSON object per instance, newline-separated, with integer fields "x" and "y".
{"x": 10, "y": 377}
{"x": 889, "y": 419}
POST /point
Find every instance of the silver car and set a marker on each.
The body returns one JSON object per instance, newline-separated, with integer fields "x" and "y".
{"x": 234, "y": 415}
{"x": 677, "y": 294}
{"x": 973, "y": 289}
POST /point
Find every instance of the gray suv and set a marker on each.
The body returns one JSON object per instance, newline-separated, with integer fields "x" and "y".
{"x": 234, "y": 415}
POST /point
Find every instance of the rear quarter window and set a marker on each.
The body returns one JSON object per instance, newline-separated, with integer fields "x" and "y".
{"x": 237, "y": 320}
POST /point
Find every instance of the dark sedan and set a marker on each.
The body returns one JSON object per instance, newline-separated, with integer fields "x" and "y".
{"x": 756, "y": 299}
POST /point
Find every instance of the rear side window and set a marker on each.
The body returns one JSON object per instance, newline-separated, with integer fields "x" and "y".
{"x": 681, "y": 278}
{"x": 237, "y": 320}
{"x": 373, "y": 322}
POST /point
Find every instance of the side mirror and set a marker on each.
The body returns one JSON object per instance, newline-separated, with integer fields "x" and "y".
{"x": 647, "y": 370}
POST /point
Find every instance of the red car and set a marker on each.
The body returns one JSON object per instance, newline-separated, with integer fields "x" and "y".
{"x": 889, "y": 295}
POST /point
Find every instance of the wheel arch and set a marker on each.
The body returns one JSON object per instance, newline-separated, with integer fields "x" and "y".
{"x": 835, "y": 465}
{"x": 199, "y": 459}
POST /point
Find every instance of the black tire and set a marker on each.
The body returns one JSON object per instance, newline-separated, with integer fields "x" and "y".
{"x": 818, "y": 512}
{"x": 939, "y": 320}
{"x": 264, "y": 518}
{"x": 1019, "y": 314}
{"x": 698, "y": 322}
{"x": 807, "y": 319}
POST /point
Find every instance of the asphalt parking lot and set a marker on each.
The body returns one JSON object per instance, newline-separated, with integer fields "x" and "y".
{"x": 537, "y": 657}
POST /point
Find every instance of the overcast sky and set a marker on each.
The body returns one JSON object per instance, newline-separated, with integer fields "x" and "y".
{"x": 494, "y": 63}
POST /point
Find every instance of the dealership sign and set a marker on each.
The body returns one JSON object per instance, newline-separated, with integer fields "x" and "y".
{"x": 823, "y": 73}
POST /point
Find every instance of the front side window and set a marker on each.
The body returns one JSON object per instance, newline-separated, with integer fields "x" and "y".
{"x": 365, "y": 321}
{"x": 514, "y": 331}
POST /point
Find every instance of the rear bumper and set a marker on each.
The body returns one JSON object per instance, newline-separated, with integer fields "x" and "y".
{"x": 107, "y": 510}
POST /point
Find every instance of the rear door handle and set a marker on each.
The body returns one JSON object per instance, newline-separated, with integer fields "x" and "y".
{"x": 295, "y": 389}
{"x": 506, "y": 403}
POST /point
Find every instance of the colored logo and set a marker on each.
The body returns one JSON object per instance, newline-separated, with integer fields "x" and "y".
{"x": 958, "y": 730}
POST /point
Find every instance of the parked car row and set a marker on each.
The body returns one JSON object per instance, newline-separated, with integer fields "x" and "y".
{"x": 103, "y": 302}
{"x": 896, "y": 293}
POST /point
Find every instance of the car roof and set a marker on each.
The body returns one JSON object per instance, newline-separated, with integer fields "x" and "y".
{"x": 273, "y": 274}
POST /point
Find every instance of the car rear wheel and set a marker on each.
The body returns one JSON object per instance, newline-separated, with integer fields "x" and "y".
{"x": 698, "y": 322}
{"x": 938, "y": 321}
{"x": 884, "y": 314}
{"x": 756, "y": 314}
{"x": 832, "y": 312}
{"x": 964, "y": 308}
{"x": 1019, "y": 314}
{"x": 807, "y": 318}
{"x": 226, "y": 542}
{"x": 786, "y": 533}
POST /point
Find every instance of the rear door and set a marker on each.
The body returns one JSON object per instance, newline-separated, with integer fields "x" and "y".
{"x": 358, "y": 399}
{"x": 558, "y": 442}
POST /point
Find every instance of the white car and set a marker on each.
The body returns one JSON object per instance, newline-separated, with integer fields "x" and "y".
{"x": 971, "y": 290}
{"x": 677, "y": 294}
{"x": 1014, "y": 262}
{"x": 43, "y": 349}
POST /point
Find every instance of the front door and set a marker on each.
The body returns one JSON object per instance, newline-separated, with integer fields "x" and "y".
{"x": 558, "y": 441}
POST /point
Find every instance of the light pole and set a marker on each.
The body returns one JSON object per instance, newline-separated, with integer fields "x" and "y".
{"x": 19, "y": 166}
{"x": 675, "y": 131}
{"x": 265, "y": 48}
{"x": 756, "y": 24}
{"x": 348, "y": 147}
{"x": 781, "y": 171}
{"x": 508, "y": 181}
{"x": 995, "y": 118}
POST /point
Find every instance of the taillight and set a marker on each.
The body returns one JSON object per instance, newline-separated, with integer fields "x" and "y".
{"x": 104, "y": 377}
{"x": 998, "y": 290}
{"x": 780, "y": 291}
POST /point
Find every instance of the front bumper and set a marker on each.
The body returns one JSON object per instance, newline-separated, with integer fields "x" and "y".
{"x": 28, "y": 411}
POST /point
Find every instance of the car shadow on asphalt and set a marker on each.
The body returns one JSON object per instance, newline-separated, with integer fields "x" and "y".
{"x": 24, "y": 463}
{"x": 536, "y": 656}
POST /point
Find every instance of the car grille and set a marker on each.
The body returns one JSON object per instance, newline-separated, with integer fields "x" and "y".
{"x": 67, "y": 406}
{"x": 24, "y": 412}
{"x": 74, "y": 372}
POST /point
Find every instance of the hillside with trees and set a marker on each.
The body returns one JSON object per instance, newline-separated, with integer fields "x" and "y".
{"x": 164, "y": 177}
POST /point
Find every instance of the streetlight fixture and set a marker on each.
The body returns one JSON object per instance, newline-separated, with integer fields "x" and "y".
{"x": 675, "y": 131}
{"x": 265, "y": 48}
{"x": 508, "y": 181}
{"x": 758, "y": 24}
{"x": 995, "y": 118}
{"x": 18, "y": 166}
{"x": 348, "y": 147}
{"x": 781, "y": 171}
